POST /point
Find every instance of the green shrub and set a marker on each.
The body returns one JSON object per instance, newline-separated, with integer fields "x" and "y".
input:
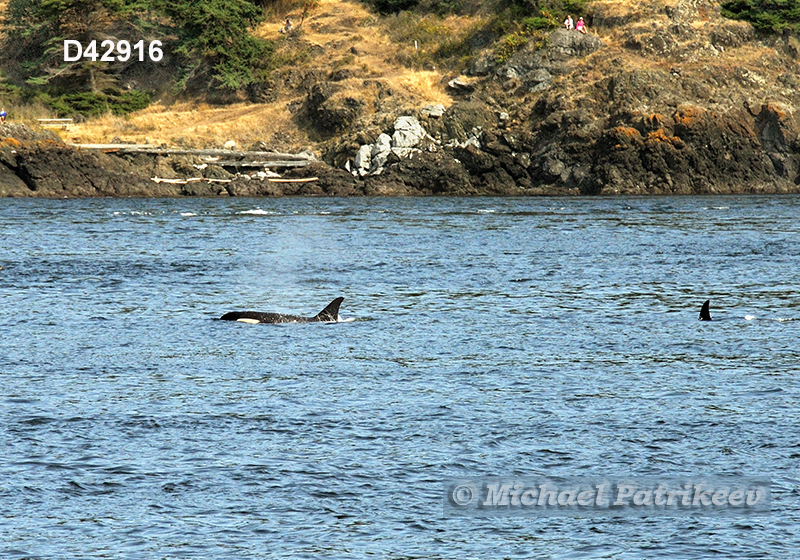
{"x": 509, "y": 45}
{"x": 89, "y": 104}
{"x": 767, "y": 15}
{"x": 542, "y": 22}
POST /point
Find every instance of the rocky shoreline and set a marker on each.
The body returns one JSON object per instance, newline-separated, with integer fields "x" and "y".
{"x": 670, "y": 107}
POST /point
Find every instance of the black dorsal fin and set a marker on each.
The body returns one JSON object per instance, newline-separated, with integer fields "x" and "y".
{"x": 330, "y": 313}
{"x": 705, "y": 313}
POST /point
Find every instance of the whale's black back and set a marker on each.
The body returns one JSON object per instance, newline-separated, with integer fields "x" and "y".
{"x": 328, "y": 315}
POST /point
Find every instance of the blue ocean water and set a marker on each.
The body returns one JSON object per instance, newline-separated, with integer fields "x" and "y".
{"x": 545, "y": 336}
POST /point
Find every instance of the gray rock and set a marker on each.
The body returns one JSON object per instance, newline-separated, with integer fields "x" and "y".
{"x": 540, "y": 80}
{"x": 569, "y": 42}
{"x": 434, "y": 110}
{"x": 363, "y": 160}
{"x": 542, "y": 86}
{"x": 511, "y": 72}
{"x": 483, "y": 65}
{"x": 382, "y": 144}
{"x": 404, "y": 153}
{"x": 555, "y": 167}
{"x": 10, "y": 184}
{"x": 461, "y": 84}
{"x": 379, "y": 161}
{"x": 308, "y": 154}
{"x": 380, "y": 153}
{"x": 541, "y": 75}
{"x": 408, "y": 133}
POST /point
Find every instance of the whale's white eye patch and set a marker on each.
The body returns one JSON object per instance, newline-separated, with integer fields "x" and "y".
{"x": 248, "y": 321}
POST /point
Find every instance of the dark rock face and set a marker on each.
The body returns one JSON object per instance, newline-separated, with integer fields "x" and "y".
{"x": 51, "y": 169}
{"x": 459, "y": 121}
{"x": 535, "y": 67}
{"x": 427, "y": 173}
{"x": 329, "y": 113}
{"x": 22, "y": 133}
{"x": 10, "y": 184}
{"x": 695, "y": 151}
{"x": 262, "y": 92}
{"x": 568, "y": 43}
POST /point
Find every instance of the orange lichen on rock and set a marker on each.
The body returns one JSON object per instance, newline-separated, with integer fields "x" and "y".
{"x": 626, "y": 131}
{"x": 625, "y": 137}
{"x": 777, "y": 109}
{"x": 655, "y": 121}
{"x": 10, "y": 142}
{"x": 660, "y": 135}
{"x": 687, "y": 115}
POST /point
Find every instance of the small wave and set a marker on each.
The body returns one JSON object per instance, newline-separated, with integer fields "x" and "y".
{"x": 487, "y": 211}
{"x": 133, "y": 213}
{"x": 776, "y": 319}
{"x": 188, "y": 214}
{"x": 258, "y": 212}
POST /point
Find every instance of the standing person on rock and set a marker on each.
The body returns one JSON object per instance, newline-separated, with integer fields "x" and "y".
{"x": 3, "y": 115}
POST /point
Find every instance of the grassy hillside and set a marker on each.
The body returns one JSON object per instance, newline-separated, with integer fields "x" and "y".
{"x": 387, "y": 63}
{"x": 325, "y": 43}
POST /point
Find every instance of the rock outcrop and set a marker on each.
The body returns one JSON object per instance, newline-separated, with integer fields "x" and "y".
{"x": 408, "y": 138}
{"x": 671, "y": 100}
{"x": 657, "y": 98}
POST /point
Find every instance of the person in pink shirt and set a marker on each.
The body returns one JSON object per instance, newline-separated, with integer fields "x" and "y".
{"x": 581, "y": 25}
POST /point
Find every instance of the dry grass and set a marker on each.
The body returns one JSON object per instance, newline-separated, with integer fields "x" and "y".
{"x": 197, "y": 125}
{"x": 340, "y": 27}
{"x": 428, "y": 42}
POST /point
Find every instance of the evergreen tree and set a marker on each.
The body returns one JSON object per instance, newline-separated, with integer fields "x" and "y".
{"x": 767, "y": 15}
{"x": 216, "y": 31}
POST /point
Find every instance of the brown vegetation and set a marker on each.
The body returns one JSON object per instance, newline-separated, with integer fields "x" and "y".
{"x": 336, "y": 35}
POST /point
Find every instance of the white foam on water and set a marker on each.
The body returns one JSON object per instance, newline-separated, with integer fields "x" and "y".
{"x": 749, "y": 317}
{"x": 133, "y": 213}
{"x": 188, "y": 214}
{"x": 258, "y": 212}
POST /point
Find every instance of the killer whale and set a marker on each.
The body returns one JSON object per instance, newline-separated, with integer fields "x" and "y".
{"x": 705, "y": 313}
{"x": 328, "y": 315}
